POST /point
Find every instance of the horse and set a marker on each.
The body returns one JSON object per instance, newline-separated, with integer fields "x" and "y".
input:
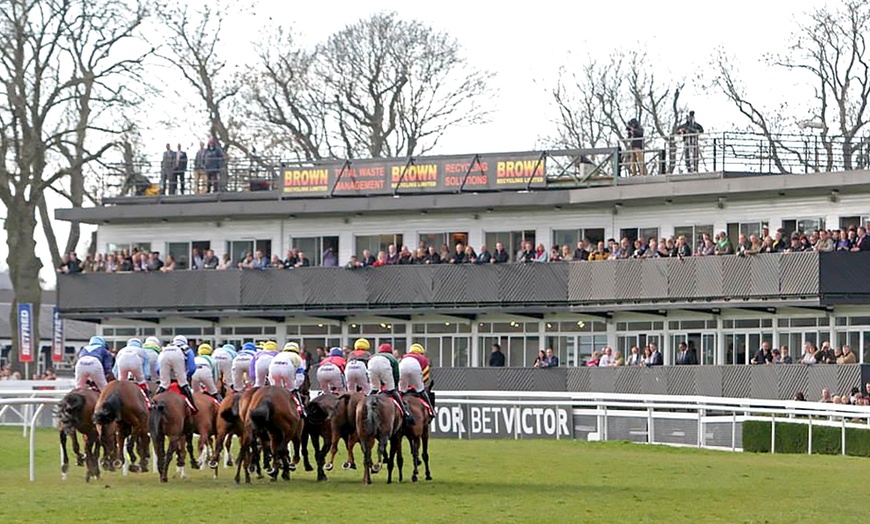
{"x": 170, "y": 418}
{"x": 231, "y": 421}
{"x": 418, "y": 434}
{"x": 344, "y": 427}
{"x": 76, "y": 414}
{"x": 121, "y": 414}
{"x": 319, "y": 425}
{"x": 379, "y": 419}
{"x": 271, "y": 413}
{"x": 204, "y": 424}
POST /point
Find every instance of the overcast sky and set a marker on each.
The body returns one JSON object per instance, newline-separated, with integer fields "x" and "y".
{"x": 525, "y": 47}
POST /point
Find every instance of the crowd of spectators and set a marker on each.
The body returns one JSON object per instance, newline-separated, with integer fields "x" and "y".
{"x": 855, "y": 396}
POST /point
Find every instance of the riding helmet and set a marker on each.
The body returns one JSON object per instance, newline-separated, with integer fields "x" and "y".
{"x": 291, "y": 346}
{"x": 97, "y": 341}
{"x": 362, "y": 343}
{"x": 153, "y": 341}
{"x": 152, "y": 346}
{"x": 270, "y": 345}
{"x": 134, "y": 342}
{"x": 336, "y": 352}
{"x": 180, "y": 341}
{"x": 385, "y": 348}
{"x": 229, "y": 347}
{"x": 249, "y": 346}
{"x": 417, "y": 348}
{"x": 204, "y": 349}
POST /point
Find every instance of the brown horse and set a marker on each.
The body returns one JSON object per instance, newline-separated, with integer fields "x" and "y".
{"x": 271, "y": 413}
{"x": 121, "y": 414}
{"x": 319, "y": 425}
{"x": 170, "y": 418}
{"x": 379, "y": 420}
{"x": 204, "y": 424}
{"x": 418, "y": 434}
{"x": 231, "y": 421}
{"x": 76, "y": 414}
{"x": 344, "y": 427}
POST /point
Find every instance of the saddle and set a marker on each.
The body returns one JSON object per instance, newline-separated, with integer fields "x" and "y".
{"x": 393, "y": 400}
{"x": 174, "y": 388}
{"x": 422, "y": 401}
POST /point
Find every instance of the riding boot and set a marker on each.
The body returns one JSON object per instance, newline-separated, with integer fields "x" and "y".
{"x": 189, "y": 394}
{"x": 301, "y": 404}
{"x": 409, "y": 419}
{"x": 217, "y": 396}
{"x": 428, "y": 399}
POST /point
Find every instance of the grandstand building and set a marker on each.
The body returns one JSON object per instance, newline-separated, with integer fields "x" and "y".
{"x": 722, "y": 306}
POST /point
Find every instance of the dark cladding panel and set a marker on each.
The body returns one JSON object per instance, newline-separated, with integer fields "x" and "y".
{"x": 736, "y": 276}
{"x": 274, "y": 288}
{"x": 580, "y": 281}
{"x": 400, "y": 285}
{"x": 325, "y": 286}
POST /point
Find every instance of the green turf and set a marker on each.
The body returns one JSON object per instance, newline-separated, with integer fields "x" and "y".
{"x": 474, "y": 481}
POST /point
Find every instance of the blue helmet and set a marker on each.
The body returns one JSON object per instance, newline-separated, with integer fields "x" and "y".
{"x": 97, "y": 341}
{"x": 336, "y": 352}
{"x": 134, "y": 342}
{"x": 249, "y": 346}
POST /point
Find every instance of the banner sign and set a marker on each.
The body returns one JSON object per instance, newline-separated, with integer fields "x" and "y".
{"x": 57, "y": 342}
{"x": 470, "y": 421}
{"x": 25, "y": 332}
{"x": 424, "y": 175}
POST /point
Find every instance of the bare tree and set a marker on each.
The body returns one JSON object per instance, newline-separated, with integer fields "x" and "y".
{"x": 394, "y": 87}
{"x": 61, "y": 63}
{"x": 595, "y": 104}
{"x": 829, "y": 52}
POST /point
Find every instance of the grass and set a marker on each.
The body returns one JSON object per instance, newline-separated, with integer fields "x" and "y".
{"x": 474, "y": 481}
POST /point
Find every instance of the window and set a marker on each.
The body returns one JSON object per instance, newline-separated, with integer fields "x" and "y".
{"x": 850, "y": 222}
{"x": 693, "y": 234}
{"x": 744, "y": 228}
{"x": 180, "y": 251}
{"x": 144, "y": 247}
{"x": 437, "y": 239}
{"x": 804, "y": 225}
{"x": 239, "y": 248}
{"x": 375, "y": 243}
{"x": 633, "y": 233}
{"x": 570, "y": 237}
{"x": 314, "y": 247}
{"x": 512, "y": 240}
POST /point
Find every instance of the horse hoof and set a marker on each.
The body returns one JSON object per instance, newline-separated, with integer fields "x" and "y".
{"x": 63, "y": 476}
{"x": 428, "y": 477}
{"x": 213, "y": 464}
{"x": 353, "y": 466}
{"x": 345, "y": 466}
{"x": 321, "y": 478}
{"x": 376, "y": 468}
{"x": 285, "y": 475}
{"x": 117, "y": 463}
{"x": 135, "y": 469}
{"x": 293, "y": 468}
{"x": 414, "y": 478}
{"x": 252, "y": 468}
{"x": 229, "y": 463}
{"x": 80, "y": 462}
{"x": 328, "y": 467}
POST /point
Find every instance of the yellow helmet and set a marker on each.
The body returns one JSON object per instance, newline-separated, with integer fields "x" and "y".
{"x": 291, "y": 346}
{"x": 204, "y": 349}
{"x": 417, "y": 348}
{"x": 270, "y": 345}
{"x": 362, "y": 343}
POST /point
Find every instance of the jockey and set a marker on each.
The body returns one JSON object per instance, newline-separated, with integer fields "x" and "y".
{"x": 241, "y": 365}
{"x": 282, "y": 370}
{"x": 223, "y": 359}
{"x": 173, "y": 361}
{"x": 260, "y": 365}
{"x": 151, "y": 351}
{"x": 356, "y": 375}
{"x": 330, "y": 371}
{"x": 384, "y": 374}
{"x": 94, "y": 363}
{"x": 414, "y": 373}
{"x": 131, "y": 360}
{"x": 206, "y": 373}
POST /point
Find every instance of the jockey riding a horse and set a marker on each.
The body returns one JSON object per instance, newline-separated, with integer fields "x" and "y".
{"x": 177, "y": 360}
{"x": 260, "y": 364}
{"x": 330, "y": 371}
{"x": 356, "y": 374}
{"x": 151, "y": 351}
{"x": 384, "y": 373}
{"x": 131, "y": 361}
{"x": 282, "y": 371}
{"x": 206, "y": 373}
{"x": 242, "y": 365}
{"x": 414, "y": 373}
{"x": 223, "y": 360}
{"x": 94, "y": 364}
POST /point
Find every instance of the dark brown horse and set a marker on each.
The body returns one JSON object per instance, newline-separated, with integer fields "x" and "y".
{"x": 231, "y": 421}
{"x": 318, "y": 426}
{"x": 170, "y": 418}
{"x": 379, "y": 420}
{"x": 204, "y": 424}
{"x": 76, "y": 415}
{"x": 121, "y": 414}
{"x": 344, "y": 428}
{"x": 271, "y": 413}
{"x": 418, "y": 434}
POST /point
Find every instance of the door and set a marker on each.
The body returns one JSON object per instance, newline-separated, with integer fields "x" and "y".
{"x": 702, "y": 344}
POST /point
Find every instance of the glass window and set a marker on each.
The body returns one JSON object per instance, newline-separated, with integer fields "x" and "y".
{"x": 238, "y": 249}
{"x": 375, "y": 243}
{"x": 438, "y": 239}
{"x": 569, "y": 237}
{"x": 314, "y": 247}
{"x": 180, "y": 251}
{"x": 512, "y": 240}
{"x": 693, "y": 234}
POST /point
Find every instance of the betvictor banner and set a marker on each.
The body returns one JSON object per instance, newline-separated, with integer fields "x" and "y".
{"x": 481, "y": 421}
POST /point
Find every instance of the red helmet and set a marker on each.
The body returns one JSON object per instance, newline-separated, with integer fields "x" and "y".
{"x": 385, "y": 348}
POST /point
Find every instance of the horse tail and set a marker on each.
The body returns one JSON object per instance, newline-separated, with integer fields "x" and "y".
{"x": 262, "y": 414}
{"x": 158, "y": 412}
{"x": 231, "y": 414}
{"x": 110, "y": 411}
{"x": 316, "y": 412}
{"x": 69, "y": 411}
{"x": 372, "y": 420}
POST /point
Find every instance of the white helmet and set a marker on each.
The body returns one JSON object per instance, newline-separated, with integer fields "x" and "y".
{"x": 180, "y": 341}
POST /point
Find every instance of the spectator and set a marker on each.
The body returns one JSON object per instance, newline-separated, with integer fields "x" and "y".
{"x": 302, "y": 260}
{"x": 330, "y": 259}
{"x": 566, "y": 253}
{"x": 526, "y": 254}
{"x": 458, "y": 256}
{"x": 444, "y": 254}
{"x": 500, "y": 256}
{"x": 808, "y": 357}
{"x": 593, "y": 362}
{"x": 825, "y": 355}
{"x": 826, "y": 396}
{"x": 197, "y": 261}
{"x": 276, "y": 262}
{"x": 484, "y": 256}
{"x": 555, "y": 254}
{"x": 432, "y": 256}
{"x": 784, "y": 356}
{"x": 767, "y": 246}
{"x": 799, "y": 396}
{"x": 763, "y": 355}
{"x": 655, "y": 357}
{"x": 127, "y": 265}
{"x": 353, "y": 263}
{"x": 551, "y": 359}
{"x": 367, "y": 258}
{"x": 842, "y": 241}
{"x": 154, "y": 263}
{"x": 825, "y": 244}
{"x": 225, "y": 262}
{"x": 634, "y": 137}
{"x": 292, "y": 258}
{"x": 199, "y": 177}
{"x": 210, "y": 261}
{"x": 606, "y": 357}
{"x": 247, "y": 262}
{"x": 862, "y": 241}
{"x": 581, "y": 252}
{"x": 419, "y": 256}
{"x": 617, "y": 361}
{"x": 167, "y": 172}
{"x": 600, "y": 253}
{"x": 496, "y": 357}
{"x": 690, "y": 131}
{"x": 541, "y": 254}
{"x": 180, "y": 168}
{"x": 214, "y": 163}
{"x": 723, "y": 244}
{"x": 779, "y": 243}
{"x": 647, "y": 357}
{"x": 622, "y": 251}
{"x": 652, "y": 249}
{"x": 848, "y": 357}
{"x": 381, "y": 261}
{"x": 392, "y": 255}
{"x": 540, "y": 360}
{"x": 708, "y": 248}
{"x": 470, "y": 255}
{"x": 742, "y": 244}
{"x": 169, "y": 265}
{"x": 405, "y": 257}
{"x": 634, "y": 359}
{"x": 686, "y": 357}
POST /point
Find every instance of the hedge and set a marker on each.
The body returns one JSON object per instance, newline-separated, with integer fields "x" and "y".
{"x": 792, "y": 438}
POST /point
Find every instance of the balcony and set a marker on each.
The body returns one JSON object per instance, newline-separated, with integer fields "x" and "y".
{"x": 654, "y": 284}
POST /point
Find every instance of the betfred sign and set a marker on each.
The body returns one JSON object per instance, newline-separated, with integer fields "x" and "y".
{"x": 57, "y": 342}
{"x": 469, "y": 421}
{"x": 25, "y": 332}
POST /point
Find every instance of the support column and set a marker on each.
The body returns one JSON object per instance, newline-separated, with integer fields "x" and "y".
{"x": 475, "y": 344}
{"x": 720, "y": 341}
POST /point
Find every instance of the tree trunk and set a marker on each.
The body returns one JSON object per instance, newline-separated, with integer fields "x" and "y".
{"x": 24, "y": 268}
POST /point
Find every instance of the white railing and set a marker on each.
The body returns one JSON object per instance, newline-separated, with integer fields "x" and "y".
{"x": 704, "y": 422}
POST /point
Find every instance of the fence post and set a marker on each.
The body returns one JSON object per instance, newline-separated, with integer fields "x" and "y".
{"x": 33, "y": 442}
{"x": 773, "y": 435}
{"x": 810, "y": 436}
{"x": 604, "y": 425}
{"x": 843, "y": 438}
{"x": 734, "y": 430}
{"x": 649, "y": 426}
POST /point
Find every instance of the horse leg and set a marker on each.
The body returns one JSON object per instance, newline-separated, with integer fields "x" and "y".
{"x": 304, "y": 446}
{"x": 395, "y": 458}
{"x": 132, "y": 442}
{"x": 64, "y": 458}
{"x": 367, "y": 445}
{"x": 188, "y": 439}
{"x": 142, "y": 442}
{"x": 320, "y": 458}
{"x": 159, "y": 441}
{"x": 425, "y": 440}
{"x": 92, "y": 456}
{"x": 183, "y": 442}
{"x": 351, "y": 442}
{"x": 80, "y": 459}
{"x": 415, "y": 457}
{"x": 228, "y": 442}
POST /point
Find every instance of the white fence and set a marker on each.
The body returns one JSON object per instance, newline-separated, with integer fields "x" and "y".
{"x": 704, "y": 422}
